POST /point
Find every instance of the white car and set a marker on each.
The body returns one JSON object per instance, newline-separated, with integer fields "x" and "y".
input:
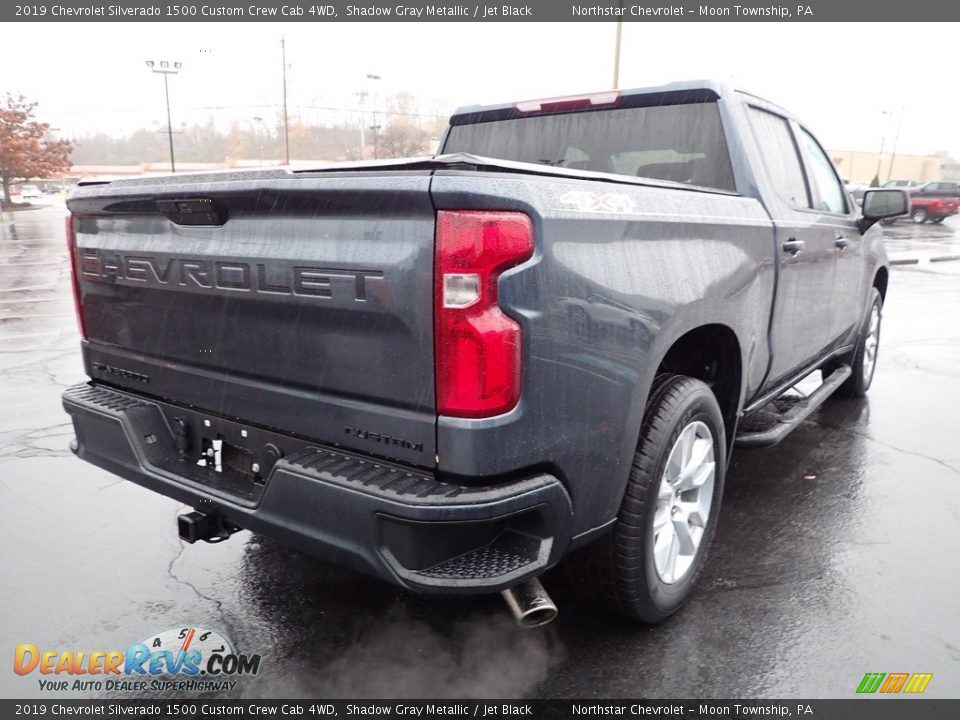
{"x": 857, "y": 191}
{"x": 30, "y": 192}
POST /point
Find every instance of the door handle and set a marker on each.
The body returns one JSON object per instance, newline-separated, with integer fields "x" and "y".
{"x": 793, "y": 246}
{"x": 841, "y": 240}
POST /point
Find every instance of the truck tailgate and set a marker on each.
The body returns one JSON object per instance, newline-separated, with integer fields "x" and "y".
{"x": 300, "y": 303}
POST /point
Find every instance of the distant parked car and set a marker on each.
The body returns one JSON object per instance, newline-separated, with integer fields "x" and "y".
{"x": 908, "y": 185}
{"x": 941, "y": 188}
{"x": 30, "y": 192}
{"x": 932, "y": 208}
{"x": 857, "y": 191}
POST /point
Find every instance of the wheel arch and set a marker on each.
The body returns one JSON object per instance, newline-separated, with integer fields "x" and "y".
{"x": 880, "y": 280}
{"x": 710, "y": 353}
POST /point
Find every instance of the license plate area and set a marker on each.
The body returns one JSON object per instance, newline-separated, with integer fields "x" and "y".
{"x": 227, "y": 457}
{"x": 218, "y": 455}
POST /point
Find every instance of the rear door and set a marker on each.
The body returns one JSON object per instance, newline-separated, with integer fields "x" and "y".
{"x": 802, "y": 327}
{"x": 302, "y": 304}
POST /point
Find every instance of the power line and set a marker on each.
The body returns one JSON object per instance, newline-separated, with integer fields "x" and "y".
{"x": 247, "y": 107}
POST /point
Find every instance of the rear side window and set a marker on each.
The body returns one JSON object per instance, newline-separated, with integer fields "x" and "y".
{"x": 683, "y": 143}
{"x": 780, "y": 156}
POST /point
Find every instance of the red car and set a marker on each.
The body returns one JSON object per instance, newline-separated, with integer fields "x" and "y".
{"x": 935, "y": 209}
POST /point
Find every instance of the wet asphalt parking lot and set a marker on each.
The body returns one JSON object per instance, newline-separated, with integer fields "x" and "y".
{"x": 837, "y": 553}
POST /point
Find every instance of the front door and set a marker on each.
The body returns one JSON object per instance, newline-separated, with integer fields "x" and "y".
{"x": 838, "y": 226}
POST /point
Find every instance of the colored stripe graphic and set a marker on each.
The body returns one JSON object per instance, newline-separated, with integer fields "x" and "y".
{"x": 870, "y": 682}
{"x": 918, "y": 682}
{"x": 894, "y": 682}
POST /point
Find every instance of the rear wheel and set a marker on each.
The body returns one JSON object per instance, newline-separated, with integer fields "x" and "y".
{"x": 919, "y": 216}
{"x": 646, "y": 567}
{"x": 938, "y": 220}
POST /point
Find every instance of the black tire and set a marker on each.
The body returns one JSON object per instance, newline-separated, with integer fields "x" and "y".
{"x": 618, "y": 571}
{"x": 857, "y": 384}
{"x": 937, "y": 220}
{"x": 919, "y": 216}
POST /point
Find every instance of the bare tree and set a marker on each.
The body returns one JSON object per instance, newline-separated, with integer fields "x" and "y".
{"x": 402, "y": 139}
{"x": 403, "y": 135}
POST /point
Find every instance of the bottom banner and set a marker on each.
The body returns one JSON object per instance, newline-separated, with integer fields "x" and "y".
{"x": 854, "y": 709}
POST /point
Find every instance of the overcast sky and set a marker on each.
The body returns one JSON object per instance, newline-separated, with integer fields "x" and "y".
{"x": 847, "y": 81}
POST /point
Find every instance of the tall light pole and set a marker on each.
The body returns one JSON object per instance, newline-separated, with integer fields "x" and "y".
{"x": 361, "y": 96}
{"x": 375, "y": 127}
{"x": 263, "y": 133}
{"x": 286, "y": 120}
{"x": 166, "y": 68}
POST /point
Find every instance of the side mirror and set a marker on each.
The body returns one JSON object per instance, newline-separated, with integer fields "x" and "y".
{"x": 883, "y": 203}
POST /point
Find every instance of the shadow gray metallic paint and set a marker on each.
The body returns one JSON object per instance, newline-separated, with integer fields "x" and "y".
{"x": 669, "y": 260}
{"x": 623, "y": 267}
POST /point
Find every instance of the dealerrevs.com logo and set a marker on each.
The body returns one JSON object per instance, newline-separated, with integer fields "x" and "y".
{"x": 179, "y": 659}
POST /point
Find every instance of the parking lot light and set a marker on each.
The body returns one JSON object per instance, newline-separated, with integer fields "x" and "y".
{"x": 164, "y": 68}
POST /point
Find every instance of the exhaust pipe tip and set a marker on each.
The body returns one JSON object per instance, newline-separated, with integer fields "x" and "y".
{"x": 530, "y": 604}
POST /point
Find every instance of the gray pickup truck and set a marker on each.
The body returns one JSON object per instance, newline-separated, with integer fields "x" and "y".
{"x": 455, "y": 372}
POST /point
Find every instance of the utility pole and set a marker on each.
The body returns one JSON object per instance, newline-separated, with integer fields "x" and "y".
{"x": 883, "y": 141}
{"x": 375, "y": 127}
{"x": 896, "y": 138}
{"x": 165, "y": 68}
{"x": 376, "y": 135}
{"x": 616, "y": 51}
{"x": 262, "y": 133}
{"x": 286, "y": 122}
{"x": 361, "y": 96}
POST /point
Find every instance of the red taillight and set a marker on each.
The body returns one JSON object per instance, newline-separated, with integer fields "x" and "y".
{"x": 477, "y": 345}
{"x": 74, "y": 280}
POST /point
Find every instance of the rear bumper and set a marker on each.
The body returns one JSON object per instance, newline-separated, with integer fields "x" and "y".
{"x": 401, "y": 524}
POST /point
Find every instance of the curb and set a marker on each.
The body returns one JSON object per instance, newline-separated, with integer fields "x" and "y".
{"x": 916, "y": 261}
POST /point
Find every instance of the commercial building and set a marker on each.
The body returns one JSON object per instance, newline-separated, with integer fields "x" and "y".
{"x": 862, "y": 167}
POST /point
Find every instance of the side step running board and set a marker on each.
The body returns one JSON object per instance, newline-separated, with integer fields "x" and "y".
{"x": 786, "y": 421}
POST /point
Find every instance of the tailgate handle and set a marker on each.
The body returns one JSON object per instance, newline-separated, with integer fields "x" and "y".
{"x": 192, "y": 211}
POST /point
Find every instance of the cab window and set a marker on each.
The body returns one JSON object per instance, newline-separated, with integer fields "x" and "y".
{"x": 681, "y": 143}
{"x": 830, "y": 195}
{"x": 780, "y": 156}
